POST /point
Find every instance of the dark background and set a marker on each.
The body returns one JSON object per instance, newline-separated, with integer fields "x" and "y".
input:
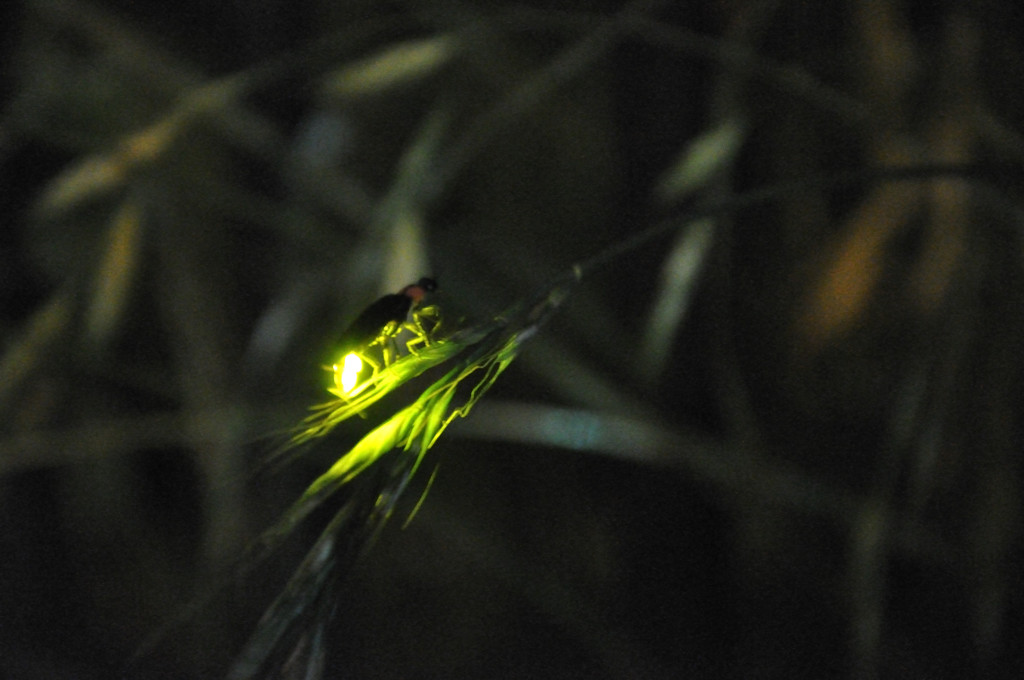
{"x": 817, "y": 474}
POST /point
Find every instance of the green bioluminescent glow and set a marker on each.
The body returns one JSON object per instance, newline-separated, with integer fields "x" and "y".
{"x": 472, "y": 359}
{"x": 347, "y": 375}
{"x": 475, "y": 356}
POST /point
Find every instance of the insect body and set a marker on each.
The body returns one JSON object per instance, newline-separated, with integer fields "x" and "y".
{"x": 378, "y": 327}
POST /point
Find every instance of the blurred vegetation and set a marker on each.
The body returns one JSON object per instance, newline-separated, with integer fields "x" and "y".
{"x": 781, "y": 441}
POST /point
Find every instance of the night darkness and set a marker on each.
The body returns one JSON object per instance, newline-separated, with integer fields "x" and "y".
{"x": 782, "y": 442}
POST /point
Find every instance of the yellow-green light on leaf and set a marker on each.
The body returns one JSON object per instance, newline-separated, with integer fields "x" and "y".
{"x": 474, "y": 357}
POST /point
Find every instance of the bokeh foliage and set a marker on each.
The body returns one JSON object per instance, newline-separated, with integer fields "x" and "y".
{"x": 782, "y": 441}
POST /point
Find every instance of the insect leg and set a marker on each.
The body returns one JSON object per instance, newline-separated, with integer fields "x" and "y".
{"x": 424, "y": 324}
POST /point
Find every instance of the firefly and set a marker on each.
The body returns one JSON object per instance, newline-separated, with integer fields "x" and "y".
{"x": 378, "y": 325}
